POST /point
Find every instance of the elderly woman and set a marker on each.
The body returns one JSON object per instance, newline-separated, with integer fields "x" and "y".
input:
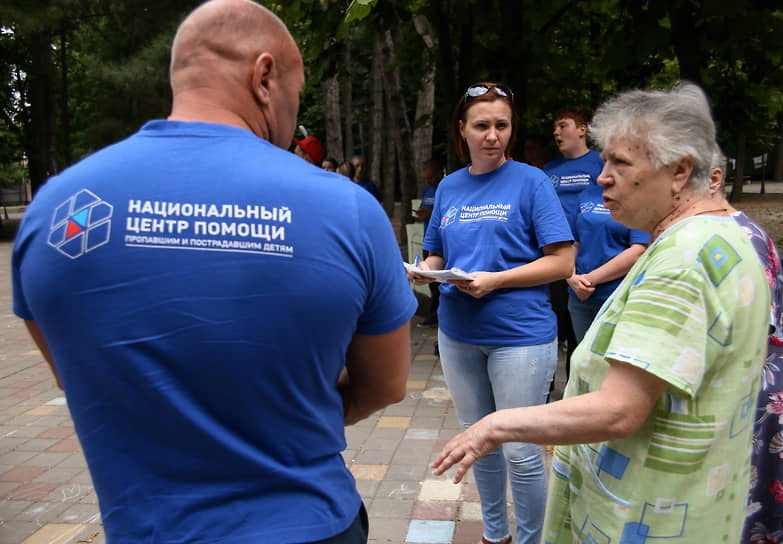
{"x": 500, "y": 220}
{"x": 654, "y": 429}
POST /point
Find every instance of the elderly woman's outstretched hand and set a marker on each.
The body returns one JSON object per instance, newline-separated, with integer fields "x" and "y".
{"x": 466, "y": 448}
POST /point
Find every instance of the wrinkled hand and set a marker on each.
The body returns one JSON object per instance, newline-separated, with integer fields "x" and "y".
{"x": 466, "y": 448}
{"x": 483, "y": 283}
{"x": 581, "y": 286}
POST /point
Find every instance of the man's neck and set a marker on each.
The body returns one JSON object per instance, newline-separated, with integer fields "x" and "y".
{"x": 577, "y": 152}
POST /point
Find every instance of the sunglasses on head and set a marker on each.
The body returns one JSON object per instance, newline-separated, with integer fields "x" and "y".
{"x": 481, "y": 89}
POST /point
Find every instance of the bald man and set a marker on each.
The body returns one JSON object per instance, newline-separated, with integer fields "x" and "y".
{"x": 216, "y": 308}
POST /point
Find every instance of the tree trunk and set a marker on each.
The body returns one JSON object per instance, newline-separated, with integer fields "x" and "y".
{"x": 447, "y": 80}
{"x": 377, "y": 125}
{"x": 42, "y": 138}
{"x": 402, "y": 135}
{"x": 334, "y": 135}
{"x": 346, "y": 94}
{"x": 425, "y": 104}
{"x": 739, "y": 170}
{"x": 65, "y": 114}
{"x": 390, "y": 166}
{"x": 685, "y": 39}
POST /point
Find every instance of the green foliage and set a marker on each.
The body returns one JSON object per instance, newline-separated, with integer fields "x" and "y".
{"x": 552, "y": 54}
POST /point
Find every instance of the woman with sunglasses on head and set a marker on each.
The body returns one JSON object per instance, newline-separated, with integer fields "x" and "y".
{"x": 500, "y": 221}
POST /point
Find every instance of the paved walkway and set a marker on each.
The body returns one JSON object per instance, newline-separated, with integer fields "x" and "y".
{"x": 47, "y": 497}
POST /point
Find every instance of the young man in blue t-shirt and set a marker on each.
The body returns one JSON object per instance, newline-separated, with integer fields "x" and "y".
{"x": 575, "y": 171}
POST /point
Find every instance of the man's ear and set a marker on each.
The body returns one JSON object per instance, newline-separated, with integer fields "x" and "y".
{"x": 581, "y": 130}
{"x": 263, "y": 73}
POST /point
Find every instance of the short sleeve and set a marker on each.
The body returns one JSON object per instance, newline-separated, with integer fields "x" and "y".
{"x": 549, "y": 220}
{"x": 390, "y": 302}
{"x": 662, "y": 328}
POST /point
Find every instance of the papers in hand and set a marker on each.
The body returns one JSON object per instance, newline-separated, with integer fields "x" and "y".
{"x": 439, "y": 275}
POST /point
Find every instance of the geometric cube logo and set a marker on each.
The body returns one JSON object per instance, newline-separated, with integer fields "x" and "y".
{"x": 80, "y": 224}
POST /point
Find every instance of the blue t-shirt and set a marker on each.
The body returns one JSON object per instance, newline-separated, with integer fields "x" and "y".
{"x": 428, "y": 201}
{"x": 198, "y": 288}
{"x": 370, "y": 187}
{"x": 494, "y": 222}
{"x": 600, "y": 239}
{"x": 572, "y": 176}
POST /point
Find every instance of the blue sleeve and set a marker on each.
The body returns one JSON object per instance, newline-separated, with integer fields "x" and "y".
{"x": 639, "y": 237}
{"x": 549, "y": 219}
{"x": 432, "y": 240}
{"x": 390, "y": 302}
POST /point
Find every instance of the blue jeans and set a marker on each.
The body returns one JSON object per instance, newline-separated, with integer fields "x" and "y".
{"x": 582, "y": 314}
{"x": 483, "y": 379}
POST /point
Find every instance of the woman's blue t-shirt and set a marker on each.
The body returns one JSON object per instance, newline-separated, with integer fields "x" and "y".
{"x": 494, "y": 222}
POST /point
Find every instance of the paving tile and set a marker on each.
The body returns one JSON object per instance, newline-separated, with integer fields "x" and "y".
{"x": 417, "y": 384}
{"x": 31, "y": 491}
{"x": 435, "y": 510}
{"x": 12, "y": 509}
{"x": 42, "y": 411}
{"x": 391, "y": 508}
{"x": 391, "y": 489}
{"x": 394, "y": 422}
{"x": 54, "y": 533}
{"x": 81, "y": 513}
{"x": 421, "y": 434}
{"x": 36, "y": 444}
{"x": 468, "y": 532}
{"x": 374, "y": 456}
{"x": 470, "y": 492}
{"x": 28, "y": 431}
{"x": 41, "y": 512}
{"x": 427, "y": 422}
{"x": 10, "y": 443}
{"x": 430, "y": 532}
{"x": 6, "y": 488}
{"x": 58, "y": 475}
{"x": 57, "y": 432}
{"x": 69, "y": 492}
{"x": 425, "y": 357}
{"x": 437, "y": 393}
{"x": 414, "y": 472}
{"x": 470, "y": 510}
{"x": 48, "y": 459}
{"x": 369, "y": 472}
{"x": 433, "y": 490}
{"x": 15, "y": 531}
{"x": 22, "y": 473}
{"x": 73, "y": 460}
{"x": 367, "y": 489}
{"x": 69, "y": 445}
{"x": 387, "y": 530}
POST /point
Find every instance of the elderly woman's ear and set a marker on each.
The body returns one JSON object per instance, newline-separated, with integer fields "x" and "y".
{"x": 681, "y": 173}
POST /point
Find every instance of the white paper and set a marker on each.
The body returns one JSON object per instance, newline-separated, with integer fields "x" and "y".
{"x": 440, "y": 275}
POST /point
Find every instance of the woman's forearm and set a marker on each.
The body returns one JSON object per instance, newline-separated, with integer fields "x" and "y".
{"x": 557, "y": 263}
{"x": 616, "y": 267}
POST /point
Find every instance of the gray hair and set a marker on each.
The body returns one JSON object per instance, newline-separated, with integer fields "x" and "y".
{"x": 718, "y": 159}
{"x": 672, "y": 123}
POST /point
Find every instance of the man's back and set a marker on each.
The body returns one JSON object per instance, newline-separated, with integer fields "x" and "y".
{"x": 198, "y": 289}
